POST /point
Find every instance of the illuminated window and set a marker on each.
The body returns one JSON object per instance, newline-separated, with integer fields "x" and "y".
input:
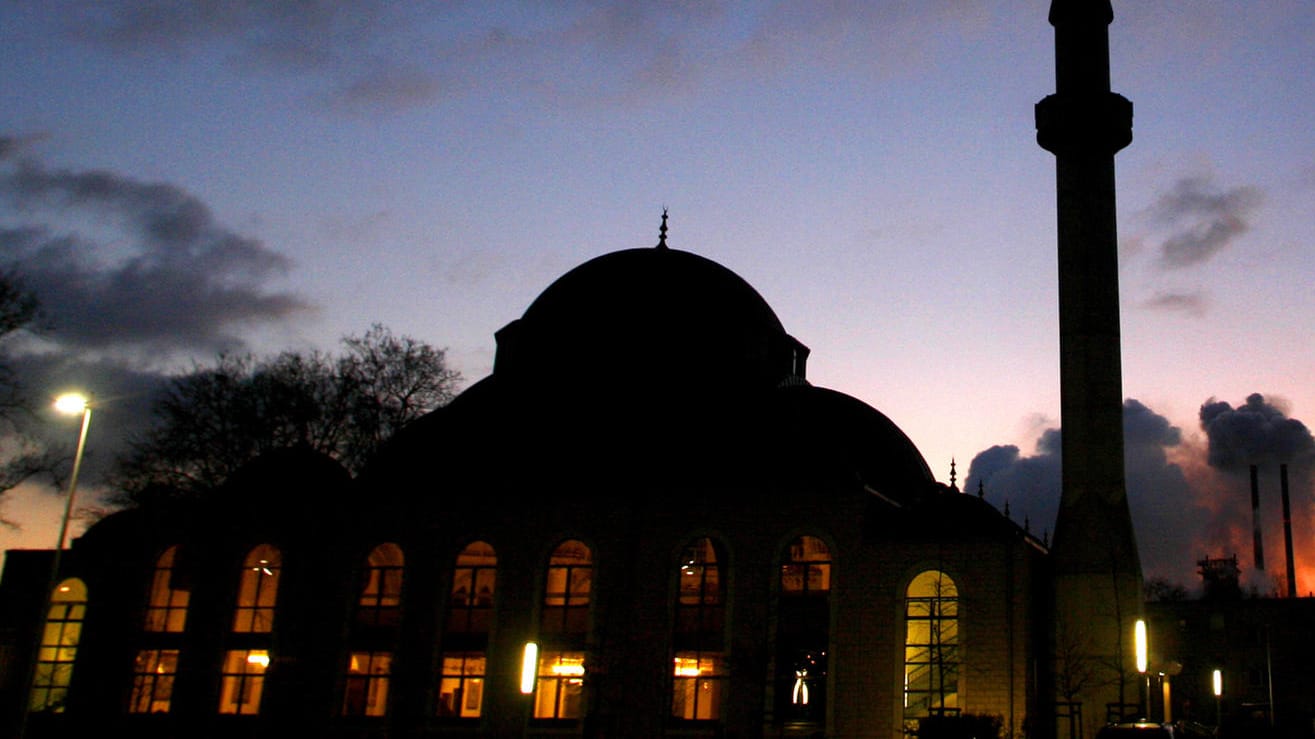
{"x": 380, "y": 603}
{"x": 167, "y": 608}
{"x": 698, "y": 686}
{"x": 807, "y": 568}
{"x": 803, "y": 631}
{"x": 567, "y": 589}
{"x": 700, "y": 603}
{"x": 242, "y": 681}
{"x": 366, "y": 691}
{"x": 470, "y": 606}
{"x": 461, "y": 685}
{"x": 931, "y": 646}
{"x": 258, "y": 590}
{"x": 59, "y": 646}
{"x": 153, "y": 680}
{"x": 559, "y": 689}
{"x": 698, "y": 674}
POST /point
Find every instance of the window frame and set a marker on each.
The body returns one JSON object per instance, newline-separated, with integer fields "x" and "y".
{"x": 57, "y": 653}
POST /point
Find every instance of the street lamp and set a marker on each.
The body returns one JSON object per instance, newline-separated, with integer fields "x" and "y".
{"x": 69, "y": 404}
{"x": 1217, "y": 686}
{"x": 72, "y": 404}
{"x": 1139, "y": 641}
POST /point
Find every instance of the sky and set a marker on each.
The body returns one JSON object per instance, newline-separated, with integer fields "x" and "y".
{"x": 190, "y": 177}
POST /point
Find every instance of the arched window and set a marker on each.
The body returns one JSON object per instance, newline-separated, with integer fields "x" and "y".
{"x": 258, "y": 591}
{"x": 166, "y": 610}
{"x": 473, "y": 581}
{"x": 567, "y": 589}
{"x": 59, "y": 646}
{"x": 806, "y": 569}
{"x": 931, "y": 646}
{"x": 699, "y": 671}
{"x": 380, "y": 603}
{"x": 803, "y": 631}
{"x": 465, "y": 645}
{"x": 563, "y": 628}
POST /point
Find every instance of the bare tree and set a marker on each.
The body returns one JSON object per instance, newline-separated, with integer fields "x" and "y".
{"x": 22, "y": 456}
{"x": 211, "y": 421}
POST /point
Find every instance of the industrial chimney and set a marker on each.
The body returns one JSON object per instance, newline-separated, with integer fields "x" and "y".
{"x": 1287, "y": 531}
{"x": 1257, "y": 539}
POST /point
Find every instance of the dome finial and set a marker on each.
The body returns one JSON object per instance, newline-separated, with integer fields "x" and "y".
{"x": 954, "y": 476}
{"x": 662, "y": 232}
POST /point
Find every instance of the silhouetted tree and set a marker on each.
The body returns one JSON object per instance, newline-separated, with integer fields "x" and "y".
{"x": 21, "y": 455}
{"x": 213, "y": 420}
{"x": 1161, "y": 590}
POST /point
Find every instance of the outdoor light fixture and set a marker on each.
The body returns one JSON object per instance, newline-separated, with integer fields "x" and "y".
{"x": 1139, "y": 639}
{"x": 529, "y": 665}
{"x": 1139, "y": 642}
{"x": 1217, "y": 685}
{"x": 73, "y": 404}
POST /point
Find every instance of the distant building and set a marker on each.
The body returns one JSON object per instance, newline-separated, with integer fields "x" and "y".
{"x": 697, "y": 540}
{"x": 1262, "y": 648}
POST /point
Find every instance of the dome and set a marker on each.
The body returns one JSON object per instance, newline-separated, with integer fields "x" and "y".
{"x": 650, "y": 314}
{"x": 815, "y": 432}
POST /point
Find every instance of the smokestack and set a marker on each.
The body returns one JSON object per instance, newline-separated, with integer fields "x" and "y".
{"x": 1258, "y": 541}
{"x": 1287, "y": 531}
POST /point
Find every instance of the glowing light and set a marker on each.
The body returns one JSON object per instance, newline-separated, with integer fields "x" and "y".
{"x": 686, "y": 667}
{"x": 800, "y": 697}
{"x": 258, "y": 657}
{"x": 529, "y": 663}
{"x": 572, "y": 668}
{"x": 71, "y": 404}
{"x": 1139, "y": 639}
{"x": 1217, "y": 683}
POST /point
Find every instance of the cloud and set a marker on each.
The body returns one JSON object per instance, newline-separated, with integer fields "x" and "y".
{"x": 1255, "y": 432}
{"x": 121, "y": 265}
{"x": 1189, "y": 496}
{"x": 1159, "y": 495}
{"x": 1192, "y": 304}
{"x": 374, "y": 55}
{"x": 1203, "y": 219}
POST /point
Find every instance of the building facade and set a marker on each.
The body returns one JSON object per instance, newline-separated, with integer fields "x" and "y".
{"x": 644, "y": 522}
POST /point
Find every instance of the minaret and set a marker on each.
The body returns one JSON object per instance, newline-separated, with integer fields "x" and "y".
{"x": 1098, "y": 582}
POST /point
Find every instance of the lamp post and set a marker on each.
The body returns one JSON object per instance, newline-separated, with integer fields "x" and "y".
{"x": 1139, "y": 641}
{"x": 69, "y": 404}
{"x": 72, "y": 404}
{"x": 1217, "y": 687}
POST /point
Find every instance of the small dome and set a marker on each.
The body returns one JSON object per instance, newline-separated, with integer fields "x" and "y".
{"x": 650, "y": 314}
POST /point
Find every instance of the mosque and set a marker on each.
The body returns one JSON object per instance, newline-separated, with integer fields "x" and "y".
{"x": 645, "y": 522}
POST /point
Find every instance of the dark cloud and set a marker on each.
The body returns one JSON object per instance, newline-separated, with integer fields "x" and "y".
{"x": 372, "y": 55}
{"x": 1255, "y": 432}
{"x": 1203, "y": 219}
{"x": 1159, "y": 495}
{"x": 1192, "y": 304}
{"x": 152, "y": 272}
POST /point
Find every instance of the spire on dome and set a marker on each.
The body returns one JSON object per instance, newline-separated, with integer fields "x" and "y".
{"x": 954, "y": 476}
{"x": 662, "y": 232}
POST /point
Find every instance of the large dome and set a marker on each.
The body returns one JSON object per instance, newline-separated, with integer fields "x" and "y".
{"x": 650, "y": 314}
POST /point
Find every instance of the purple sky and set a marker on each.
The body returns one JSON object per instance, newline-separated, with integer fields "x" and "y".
{"x": 182, "y": 178}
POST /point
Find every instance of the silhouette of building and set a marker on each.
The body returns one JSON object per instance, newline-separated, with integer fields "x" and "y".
{"x": 698, "y": 541}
